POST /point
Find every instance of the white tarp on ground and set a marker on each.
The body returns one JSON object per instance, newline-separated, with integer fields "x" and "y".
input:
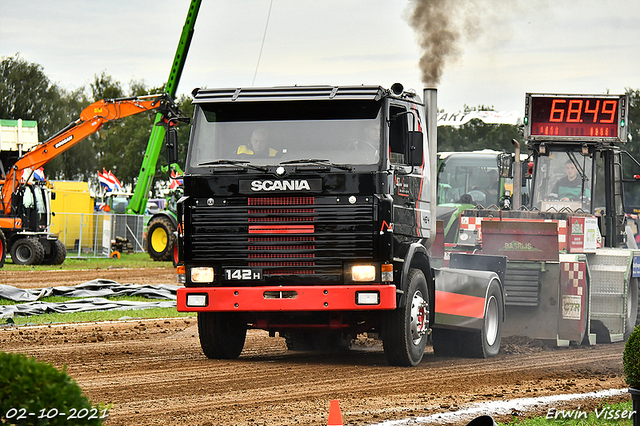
{"x": 94, "y": 291}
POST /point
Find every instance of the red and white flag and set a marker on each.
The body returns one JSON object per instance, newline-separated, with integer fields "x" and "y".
{"x": 109, "y": 181}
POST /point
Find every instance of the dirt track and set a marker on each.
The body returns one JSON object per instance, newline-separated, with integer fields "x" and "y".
{"x": 154, "y": 373}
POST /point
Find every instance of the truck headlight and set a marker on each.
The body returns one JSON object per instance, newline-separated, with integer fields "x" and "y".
{"x": 201, "y": 274}
{"x": 363, "y": 272}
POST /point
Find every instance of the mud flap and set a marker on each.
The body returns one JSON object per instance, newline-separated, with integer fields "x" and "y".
{"x": 572, "y": 324}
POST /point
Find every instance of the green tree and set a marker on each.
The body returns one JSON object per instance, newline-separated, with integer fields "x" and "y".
{"x": 477, "y": 135}
{"x": 27, "y": 93}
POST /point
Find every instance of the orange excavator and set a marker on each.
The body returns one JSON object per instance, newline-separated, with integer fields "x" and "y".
{"x": 25, "y": 212}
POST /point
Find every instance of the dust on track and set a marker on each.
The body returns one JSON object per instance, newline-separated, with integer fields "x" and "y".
{"x": 154, "y": 372}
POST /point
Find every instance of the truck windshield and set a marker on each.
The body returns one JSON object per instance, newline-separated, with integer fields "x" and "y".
{"x": 268, "y": 133}
{"x": 563, "y": 179}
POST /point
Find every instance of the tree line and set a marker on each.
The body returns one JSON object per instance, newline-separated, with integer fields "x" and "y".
{"x": 27, "y": 93}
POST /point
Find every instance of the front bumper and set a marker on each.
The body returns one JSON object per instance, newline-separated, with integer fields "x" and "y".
{"x": 290, "y": 298}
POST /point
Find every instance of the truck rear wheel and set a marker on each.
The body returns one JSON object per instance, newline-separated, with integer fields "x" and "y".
{"x": 27, "y": 251}
{"x": 57, "y": 255}
{"x": 485, "y": 342}
{"x": 222, "y": 334}
{"x": 160, "y": 238}
{"x": 316, "y": 341}
{"x": 446, "y": 342}
{"x": 404, "y": 330}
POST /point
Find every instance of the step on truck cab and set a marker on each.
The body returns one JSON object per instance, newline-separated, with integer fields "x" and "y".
{"x": 310, "y": 212}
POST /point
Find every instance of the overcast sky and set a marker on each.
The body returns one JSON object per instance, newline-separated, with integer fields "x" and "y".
{"x": 561, "y": 46}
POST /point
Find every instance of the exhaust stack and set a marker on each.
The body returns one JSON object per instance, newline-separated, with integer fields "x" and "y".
{"x": 431, "y": 116}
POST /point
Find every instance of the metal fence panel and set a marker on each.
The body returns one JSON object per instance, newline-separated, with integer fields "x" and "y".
{"x": 97, "y": 234}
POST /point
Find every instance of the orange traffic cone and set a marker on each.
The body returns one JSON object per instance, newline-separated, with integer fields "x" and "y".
{"x": 335, "y": 417}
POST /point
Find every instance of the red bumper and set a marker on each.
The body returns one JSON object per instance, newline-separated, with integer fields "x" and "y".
{"x": 296, "y": 298}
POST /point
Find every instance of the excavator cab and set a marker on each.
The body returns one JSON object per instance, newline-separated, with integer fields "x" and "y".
{"x": 31, "y": 204}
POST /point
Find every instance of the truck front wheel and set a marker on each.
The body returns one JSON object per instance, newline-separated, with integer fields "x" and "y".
{"x": 222, "y": 334}
{"x": 404, "y": 330}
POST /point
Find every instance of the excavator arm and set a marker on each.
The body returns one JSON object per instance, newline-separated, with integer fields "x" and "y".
{"x": 91, "y": 120}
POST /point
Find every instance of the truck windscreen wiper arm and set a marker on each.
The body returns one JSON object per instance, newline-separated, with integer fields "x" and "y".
{"x": 241, "y": 163}
{"x": 318, "y": 161}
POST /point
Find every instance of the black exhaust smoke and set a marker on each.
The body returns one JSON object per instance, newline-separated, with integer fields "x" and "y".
{"x": 441, "y": 25}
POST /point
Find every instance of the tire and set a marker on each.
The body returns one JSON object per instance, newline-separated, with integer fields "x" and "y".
{"x": 222, "y": 334}
{"x": 27, "y": 251}
{"x": 161, "y": 238}
{"x": 404, "y": 330}
{"x": 638, "y": 315}
{"x": 3, "y": 249}
{"x": 631, "y": 317}
{"x": 57, "y": 254}
{"x": 176, "y": 256}
{"x": 485, "y": 342}
{"x": 316, "y": 341}
{"x": 299, "y": 341}
{"x": 446, "y": 342}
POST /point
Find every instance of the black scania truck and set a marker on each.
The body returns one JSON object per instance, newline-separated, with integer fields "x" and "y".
{"x": 310, "y": 212}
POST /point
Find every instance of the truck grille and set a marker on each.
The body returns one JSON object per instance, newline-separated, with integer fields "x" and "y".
{"x": 283, "y": 236}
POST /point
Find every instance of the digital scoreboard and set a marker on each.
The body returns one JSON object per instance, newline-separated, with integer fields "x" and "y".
{"x": 576, "y": 117}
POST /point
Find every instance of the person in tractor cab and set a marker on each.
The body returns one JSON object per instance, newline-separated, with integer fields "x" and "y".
{"x": 259, "y": 145}
{"x": 569, "y": 187}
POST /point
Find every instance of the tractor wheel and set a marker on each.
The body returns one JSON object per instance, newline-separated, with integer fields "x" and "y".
{"x": 222, "y": 334}
{"x": 404, "y": 330}
{"x": 3, "y": 249}
{"x": 160, "y": 238}
{"x": 631, "y": 317}
{"x": 638, "y": 292}
{"x": 485, "y": 342}
{"x": 57, "y": 254}
{"x": 27, "y": 251}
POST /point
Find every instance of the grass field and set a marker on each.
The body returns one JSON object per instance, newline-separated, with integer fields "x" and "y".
{"x": 135, "y": 260}
{"x": 607, "y": 415}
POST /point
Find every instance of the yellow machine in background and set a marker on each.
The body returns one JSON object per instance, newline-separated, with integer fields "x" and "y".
{"x": 73, "y": 208}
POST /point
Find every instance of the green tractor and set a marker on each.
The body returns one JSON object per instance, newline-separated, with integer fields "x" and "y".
{"x": 467, "y": 180}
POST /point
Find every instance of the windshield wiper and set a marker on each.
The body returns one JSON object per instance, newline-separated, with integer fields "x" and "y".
{"x": 241, "y": 163}
{"x": 317, "y": 161}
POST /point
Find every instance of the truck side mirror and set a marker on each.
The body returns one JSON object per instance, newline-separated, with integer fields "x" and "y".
{"x": 171, "y": 140}
{"x": 416, "y": 148}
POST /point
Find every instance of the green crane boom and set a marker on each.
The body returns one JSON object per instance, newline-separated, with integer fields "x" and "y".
{"x": 140, "y": 196}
